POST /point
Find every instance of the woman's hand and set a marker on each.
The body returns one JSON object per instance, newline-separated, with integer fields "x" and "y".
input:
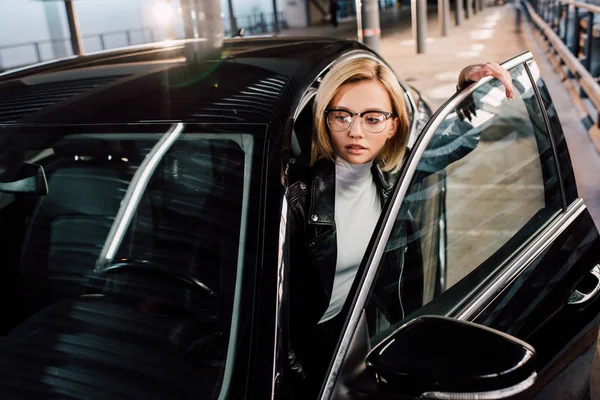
{"x": 475, "y": 72}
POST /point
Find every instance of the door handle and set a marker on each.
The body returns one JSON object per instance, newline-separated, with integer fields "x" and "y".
{"x": 578, "y": 298}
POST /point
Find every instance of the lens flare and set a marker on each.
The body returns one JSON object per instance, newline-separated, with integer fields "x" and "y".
{"x": 163, "y": 13}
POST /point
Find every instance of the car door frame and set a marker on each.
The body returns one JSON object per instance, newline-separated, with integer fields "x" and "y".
{"x": 471, "y": 305}
{"x": 311, "y": 91}
{"x": 292, "y": 143}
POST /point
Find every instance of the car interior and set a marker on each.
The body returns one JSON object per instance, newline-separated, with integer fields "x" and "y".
{"x": 170, "y": 284}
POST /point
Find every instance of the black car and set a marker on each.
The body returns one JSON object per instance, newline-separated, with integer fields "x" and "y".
{"x": 143, "y": 229}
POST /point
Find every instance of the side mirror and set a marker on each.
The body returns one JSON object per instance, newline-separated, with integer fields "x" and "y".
{"x": 443, "y": 358}
{"x": 29, "y": 179}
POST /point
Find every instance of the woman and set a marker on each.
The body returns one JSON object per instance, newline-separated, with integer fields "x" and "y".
{"x": 359, "y": 139}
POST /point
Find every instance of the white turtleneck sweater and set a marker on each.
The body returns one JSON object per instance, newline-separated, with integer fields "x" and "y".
{"x": 357, "y": 209}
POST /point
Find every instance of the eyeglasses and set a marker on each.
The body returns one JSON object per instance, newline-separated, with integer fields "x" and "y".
{"x": 372, "y": 121}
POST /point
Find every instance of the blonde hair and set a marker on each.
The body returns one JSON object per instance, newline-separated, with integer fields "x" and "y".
{"x": 357, "y": 70}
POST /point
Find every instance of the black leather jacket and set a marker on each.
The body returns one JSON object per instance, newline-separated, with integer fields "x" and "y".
{"x": 313, "y": 256}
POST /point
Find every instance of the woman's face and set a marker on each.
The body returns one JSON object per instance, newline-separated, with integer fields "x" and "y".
{"x": 356, "y": 144}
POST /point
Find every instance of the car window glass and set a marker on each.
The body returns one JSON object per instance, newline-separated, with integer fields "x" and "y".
{"x": 564, "y": 159}
{"x": 486, "y": 182}
{"x": 127, "y": 273}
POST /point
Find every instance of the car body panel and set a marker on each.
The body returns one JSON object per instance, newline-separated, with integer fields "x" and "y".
{"x": 560, "y": 333}
{"x": 526, "y": 298}
{"x": 178, "y": 82}
{"x": 261, "y": 87}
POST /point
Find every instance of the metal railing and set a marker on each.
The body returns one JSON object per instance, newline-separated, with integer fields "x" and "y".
{"x": 571, "y": 36}
{"x": 44, "y": 50}
{"x": 256, "y": 24}
{"x": 573, "y": 22}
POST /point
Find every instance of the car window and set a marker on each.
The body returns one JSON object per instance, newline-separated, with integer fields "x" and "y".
{"x": 125, "y": 276}
{"x": 485, "y": 184}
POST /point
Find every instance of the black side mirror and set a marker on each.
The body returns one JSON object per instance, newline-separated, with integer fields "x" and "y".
{"x": 443, "y": 358}
{"x": 240, "y": 33}
{"x": 29, "y": 179}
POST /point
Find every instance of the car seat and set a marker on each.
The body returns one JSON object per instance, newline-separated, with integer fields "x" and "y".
{"x": 68, "y": 227}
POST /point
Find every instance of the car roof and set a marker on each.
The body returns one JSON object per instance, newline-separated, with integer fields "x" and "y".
{"x": 247, "y": 80}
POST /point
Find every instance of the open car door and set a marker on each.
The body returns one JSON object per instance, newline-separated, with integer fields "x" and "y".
{"x": 506, "y": 248}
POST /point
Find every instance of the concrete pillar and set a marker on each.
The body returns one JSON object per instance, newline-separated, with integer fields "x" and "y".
{"x": 209, "y": 23}
{"x": 275, "y": 17}
{"x": 367, "y": 21}
{"x": 232, "y": 21}
{"x": 55, "y": 29}
{"x": 419, "y": 23}
{"x": 459, "y": 13}
{"x": 171, "y": 27}
{"x": 296, "y": 13}
{"x": 188, "y": 15}
{"x": 73, "y": 28}
{"x": 444, "y": 16}
{"x": 307, "y": 10}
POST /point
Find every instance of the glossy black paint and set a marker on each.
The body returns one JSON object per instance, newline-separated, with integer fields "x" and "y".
{"x": 531, "y": 305}
{"x": 558, "y": 137}
{"x": 560, "y": 333}
{"x": 251, "y": 81}
{"x": 267, "y": 356}
{"x": 252, "y": 86}
{"x": 443, "y": 354}
{"x": 148, "y": 87}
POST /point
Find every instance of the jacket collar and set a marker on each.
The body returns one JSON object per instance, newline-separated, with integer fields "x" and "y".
{"x": 322, "y": 201}
{"x": 383, "y": 180}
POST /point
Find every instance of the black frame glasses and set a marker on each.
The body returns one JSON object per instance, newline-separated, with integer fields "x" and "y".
{"x": 362, "y": 115}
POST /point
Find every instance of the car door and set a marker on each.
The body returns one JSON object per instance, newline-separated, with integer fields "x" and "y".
{"x": 497, "y": 236}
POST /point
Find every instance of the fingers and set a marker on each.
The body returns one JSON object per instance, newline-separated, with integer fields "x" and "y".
{"x": 493, "y": 69}
{"x": 466, "y": 110}
{"x": 472, "y": 111}
{"x": 500, "y": 73}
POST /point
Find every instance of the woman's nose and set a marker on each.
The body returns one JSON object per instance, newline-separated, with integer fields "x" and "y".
{"x": 356, "y": 129}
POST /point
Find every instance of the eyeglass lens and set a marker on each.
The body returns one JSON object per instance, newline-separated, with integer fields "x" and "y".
{"x": 339, "y": 120}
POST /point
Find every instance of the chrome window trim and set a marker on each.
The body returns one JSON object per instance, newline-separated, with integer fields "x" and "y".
{"x": 306, "y": 97}
{"x": 315, "y": 83}
{"x": 312, "y": 88}
{"x": 556, "y": 227}
{"x": 247, "y": 146}
{"x": 430, "y": 128}
{"x": 277, "y": 346}
{"x": 491, "y": 395}
{"x": 134, "y": 193}
{"x": 373, "y": 265}
{"x": 561, "y": 183}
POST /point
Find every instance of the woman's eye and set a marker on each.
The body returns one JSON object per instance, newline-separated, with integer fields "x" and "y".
{"x": 373, "y": 118}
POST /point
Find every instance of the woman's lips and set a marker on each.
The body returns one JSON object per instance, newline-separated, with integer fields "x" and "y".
{"x": 356, "y": 149}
